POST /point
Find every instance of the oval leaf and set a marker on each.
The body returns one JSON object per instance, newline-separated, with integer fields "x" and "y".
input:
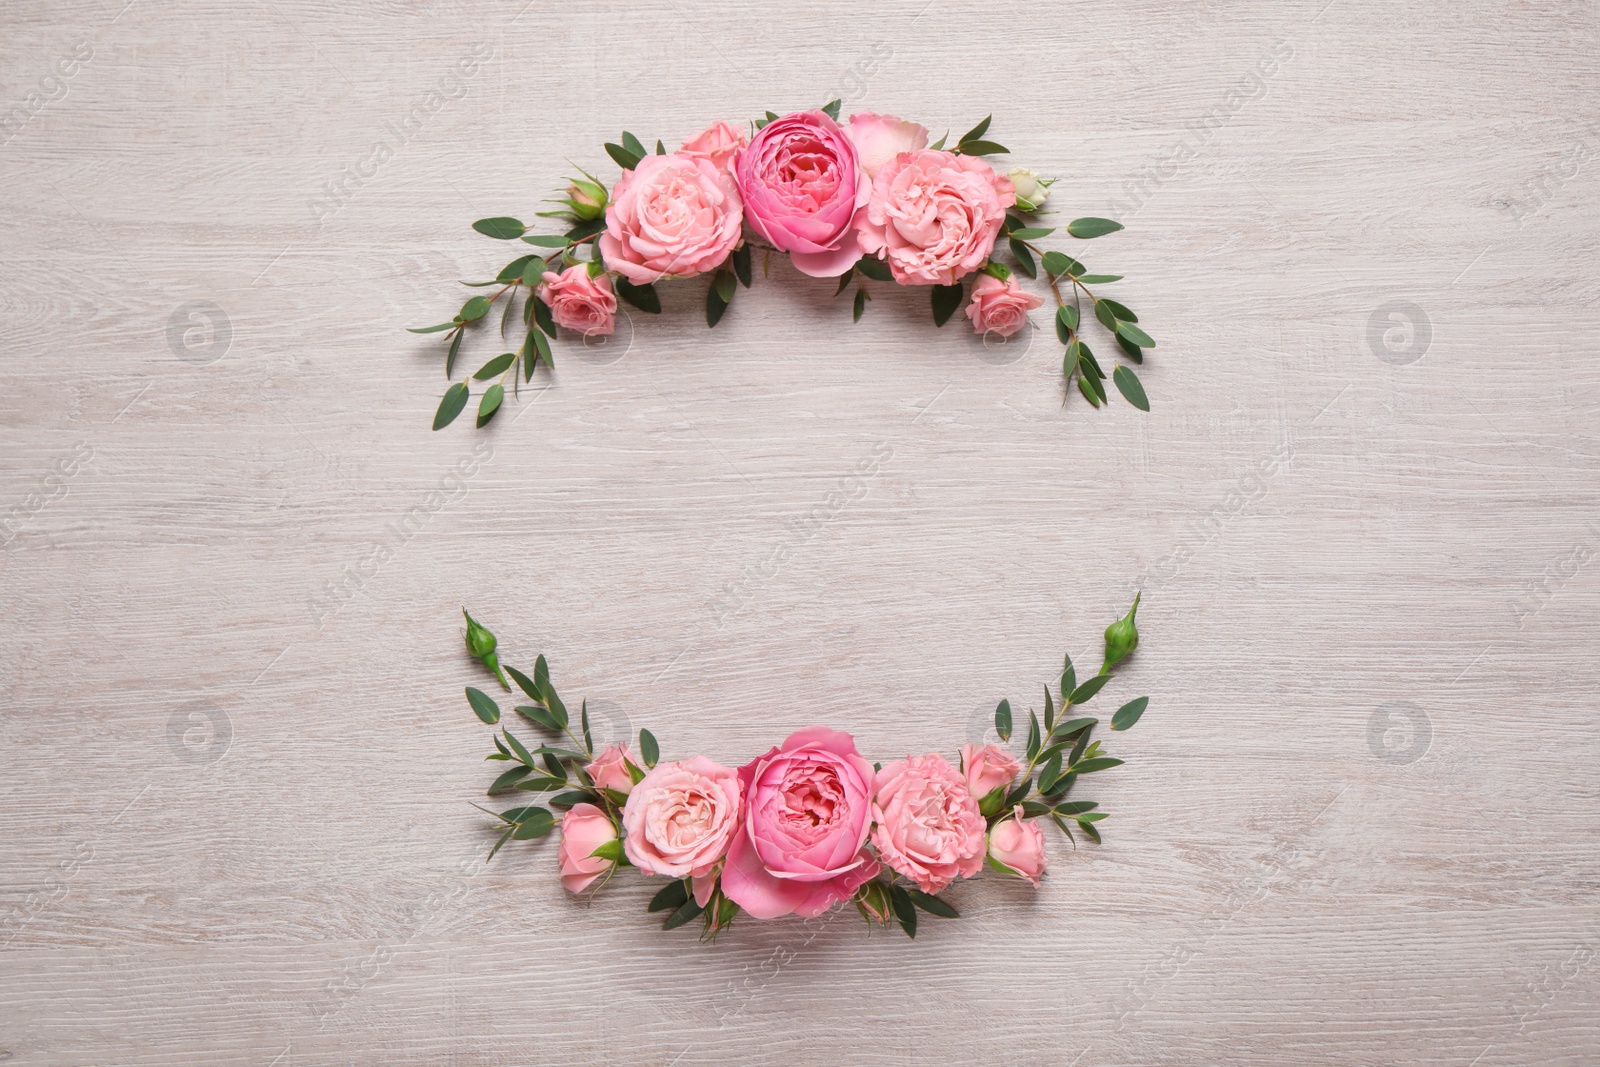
{"x": 648, "y": 748}
{"x": 483, "y": 705}
{"x": 455, "y": 398}
{"x": 502, "y": 228}
{"x": 490, "y": 403}
{"x": 1002, "y": 720}
{"x": 1128, "y": 384}
{"x": 474, "y": 309}
{"x": 1088, "y": 689}
{"x": 1134, "y": 334}
{"x": 495, "y": 367}
{"x": 1092, "y": 227}
{"x": 1129, "y": 713}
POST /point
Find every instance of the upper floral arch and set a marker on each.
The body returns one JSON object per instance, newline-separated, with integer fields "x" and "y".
{"x": 868, "y": 199}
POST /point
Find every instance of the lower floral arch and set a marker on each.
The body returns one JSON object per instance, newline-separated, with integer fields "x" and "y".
{"x": 810, "y": 823}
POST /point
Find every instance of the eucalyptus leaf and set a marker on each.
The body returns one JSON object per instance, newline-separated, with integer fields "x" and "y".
{"x": 977, "y": 131}
{"x": 546, "y": 240}
{"x": 644, "y": 297}
{"x": 518, "y": 747}
{"x": 687, "y": 912}
{"x": 1084, "y": 692}
{"x": 874, "y": 268}
{"x": 510, "y": 778}
{"x": 1129, "y": 713}
{"x": 648, "y": 748}
{"x": 932, "y": 904}
{"x": 1128, "y": 384}
{"x": 1075, "y": 807}
{"x": 1066, "y": 322}
{"x": 501, "y": 228}
{"x": 452, "y": 324}
{"x": 624, "y": 158}
{"x": 1134, "y": 334}
{"x": 1099, "y": 763}
{"x": 490, "y": 403}
{"x": 537, "y": 823}
{"x": 670, "y": 897}
{"x": 1107, "y": 317}
{"x": 1059, "y": 263}
{"x": 1033, "y": 233}
{"x": 741, "y": 264}
{"x": 904, "y": 911}
{"x": 474, "y": 309}
{"x": 1033, "y": 736}
{"x": 513, "y": 271}
{"x": 1024, "y": 258}
{"x": 1131, "y": 350}
{"x": 539, "y": 717}
{"x": 544, "y": 318}
{"x": 633, "y": 144}
{"x": 1002, "y": 720}
{"x": 1100, "y": 279}
{"x": 1071, "y": 726}
{"x": 1119, "y": 311}
{"x": 1092, "y": 227}
{"x": 1069, "y": 680}
{"x": 982, "y": 148}
{"x": 483, "y": 705}
{"x": 859, "y": 306}
{"x": 572, "y": 798}
{"x": 495, "y": 367}
{"x": 726, "y": 285}
{"x": 715, "y": 306}
{"x": 450, "y": 360}
{"x": 946, "y": 299}
{"x": 524, "y": 683}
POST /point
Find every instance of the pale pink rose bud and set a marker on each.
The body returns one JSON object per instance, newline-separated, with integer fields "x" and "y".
{"x": 588, "y": 199}
{"x": 872, "y": 900}
{"x": 718, "y": 144}
{"x": 1000, "y": 306}
{"x": 584, "y": 829}
{"x": 610, "y": 769}
{"x": 580, "y": 302}
{"x": 1018, "y": 844}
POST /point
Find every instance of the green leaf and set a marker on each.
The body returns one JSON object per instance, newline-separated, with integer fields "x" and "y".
{"x": 452, "y": 324}
{"x": 1133, "y": 351}
{"x": 831, "y": 109}
{"x": 715, "y": 306}
{"x": 450, "y": 360}
{"x": 1099, "y": 763}
{"x": 1129, "y": 713}
{"x": 1069, "y": 681}
{"x": 671, "y": 897}
{"x": 1084, "y": 692}
{"x": 1119, "y": 311}
{"x": 536, "y": 347}
{"x": 524, "y": 683}
{"x": 515, "y": 270}
{"x": 501, "y": 228}
{"x": 503, "y": 839}
{"x": 586, "y": 229}
{"x": 1089, "y": 388}
{"x": 1070, "y": 727}
{"x": 1093, "y": 365}
{"x": 542, "y": 783}
{"x": 1024, "y": 258}
{"x": 741, "y": 264}
{"x": 1107, "y": 317}
{"x": 539, "y": 717}
{"x": 495, "y": 367}
{"x": 860, "y": 305}
{"x": 583, "y": 709}
{"x": 1033, "y": 233}
{"x": 977, "y": 131}
{"x": 1083, "y": 820}
{"x": 632, "y": 144}
{"x": 514, "y": 815}
{"x": 474, "y": 309}
{"x": 1062, "y": 825}
{"x": 1075, "y": 807}
{"x": 483, "y": 705}
{"x": 648, "y": 748}
{"x": 1002, "y": 720}
{"x": 554, "y": 765}
{"x": 543, "y": 318}
{"x": 1092, "y": 227}
{"x": 517, "y": 746}
{"x": 933, "y": 905}
{"x": 1033, "y": 736}
{"x": 1089, "y": 829}
{"x": 1134, "y": 334}
{"x": 939, "y": 144}
{"x": 844, "y": 281}
{"x": 1128, "y": 384}
{"x": 1100, "y": 279}
{"x": 904, "y": 911}
{"x": 946, "y": 299}
{"x": 572, "y": 798}
{"x": 490, "y": 403}
{"x": 875, "y": 268}
{"x": 537, "y": 823}
{"x": 1066, "y": 322}
{"x": 661, "y": 149}
{"x": 1020, "y": 790}
{"x": 1049, "y": 710}
{"x": 1032, "y": 809}
{"x": 1059, "y": 263}
{"x": 546, "y": 240}
{"x": 541, "y": 676}
{"x": 611, "y": 850}
{"x": 726, "y": 285}
{"x": 1050, "y": 773}
{"x": 982, "y": 148}
{"x": 644, "y": 297}
{"x": 687, "y": 912}
{"x": 624, "y": 158}
{"x": 504, "y": 783}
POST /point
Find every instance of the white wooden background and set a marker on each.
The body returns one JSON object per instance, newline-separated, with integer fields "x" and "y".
{"x": 1358, "y": 824}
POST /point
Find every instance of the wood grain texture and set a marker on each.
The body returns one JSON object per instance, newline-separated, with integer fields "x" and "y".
{"x": 1358, "y": 824}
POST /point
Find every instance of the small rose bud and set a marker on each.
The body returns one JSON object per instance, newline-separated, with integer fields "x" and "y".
{"x": 872, "y": 901}
{"x": 1122, "y": 637}
{"x": 587, "y": 199}
{"x": 481, "y": 643}
{"x": 1031, "y": 191}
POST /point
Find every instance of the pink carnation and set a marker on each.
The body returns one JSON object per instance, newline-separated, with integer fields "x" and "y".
{"x": 934, "y": 216}
{"x": 580, "y": 302}
{"x": 672, "y": 216}
{"x": 1000, "y": 306}
{"x": 928, "y": 824}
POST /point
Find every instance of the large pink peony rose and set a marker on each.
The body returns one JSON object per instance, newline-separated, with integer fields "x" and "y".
{"x": 1000, "y": 306}
{"x": 673, "y": 216}
{"x": 928, "y": 825}
{"x": 879, "y": 138}
{"x": 934, "y": 216}
{"x": 680, "y": 817}
{"x": 1018, "y": 843}
{"x": 803, "y": 189}
{"x": 584, "y": 828}
{"x": 719, "y": 144}
{"x": 807, "y": 812}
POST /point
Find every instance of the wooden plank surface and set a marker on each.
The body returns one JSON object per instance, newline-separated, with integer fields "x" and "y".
{"x": 1358, "y": 824}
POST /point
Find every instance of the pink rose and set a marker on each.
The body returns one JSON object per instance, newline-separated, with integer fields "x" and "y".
{"x": 719, "y": 144}
{"x": 578, "y": 301}
{"x": 879, "y": 138}
{"x": 934, "y": 216}
{"x": 583, "y": 829}
{"x": 928, "y": 825}
{"x": 1000, "y": 306}
{"x": 808, "y": 806}
{"x": 680, "y": 816}
{"x": 610, "y": 769}
{"x": 987, "y": 768}
{"x": 803, "y": 190}
{"x": 1018, "y": 843}
{"x": 673, "y": 216}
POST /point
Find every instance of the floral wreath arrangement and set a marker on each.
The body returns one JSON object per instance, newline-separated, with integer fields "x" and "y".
{"x": 808, "y": 824}
{"x": 870, "y": 199}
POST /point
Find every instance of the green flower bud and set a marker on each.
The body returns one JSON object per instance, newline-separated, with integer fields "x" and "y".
{"x": 1122, "y": 637}
{"x": 587, "y": 199}
{"x": 481, "y": 643}
{"x": 872, "y": 901}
